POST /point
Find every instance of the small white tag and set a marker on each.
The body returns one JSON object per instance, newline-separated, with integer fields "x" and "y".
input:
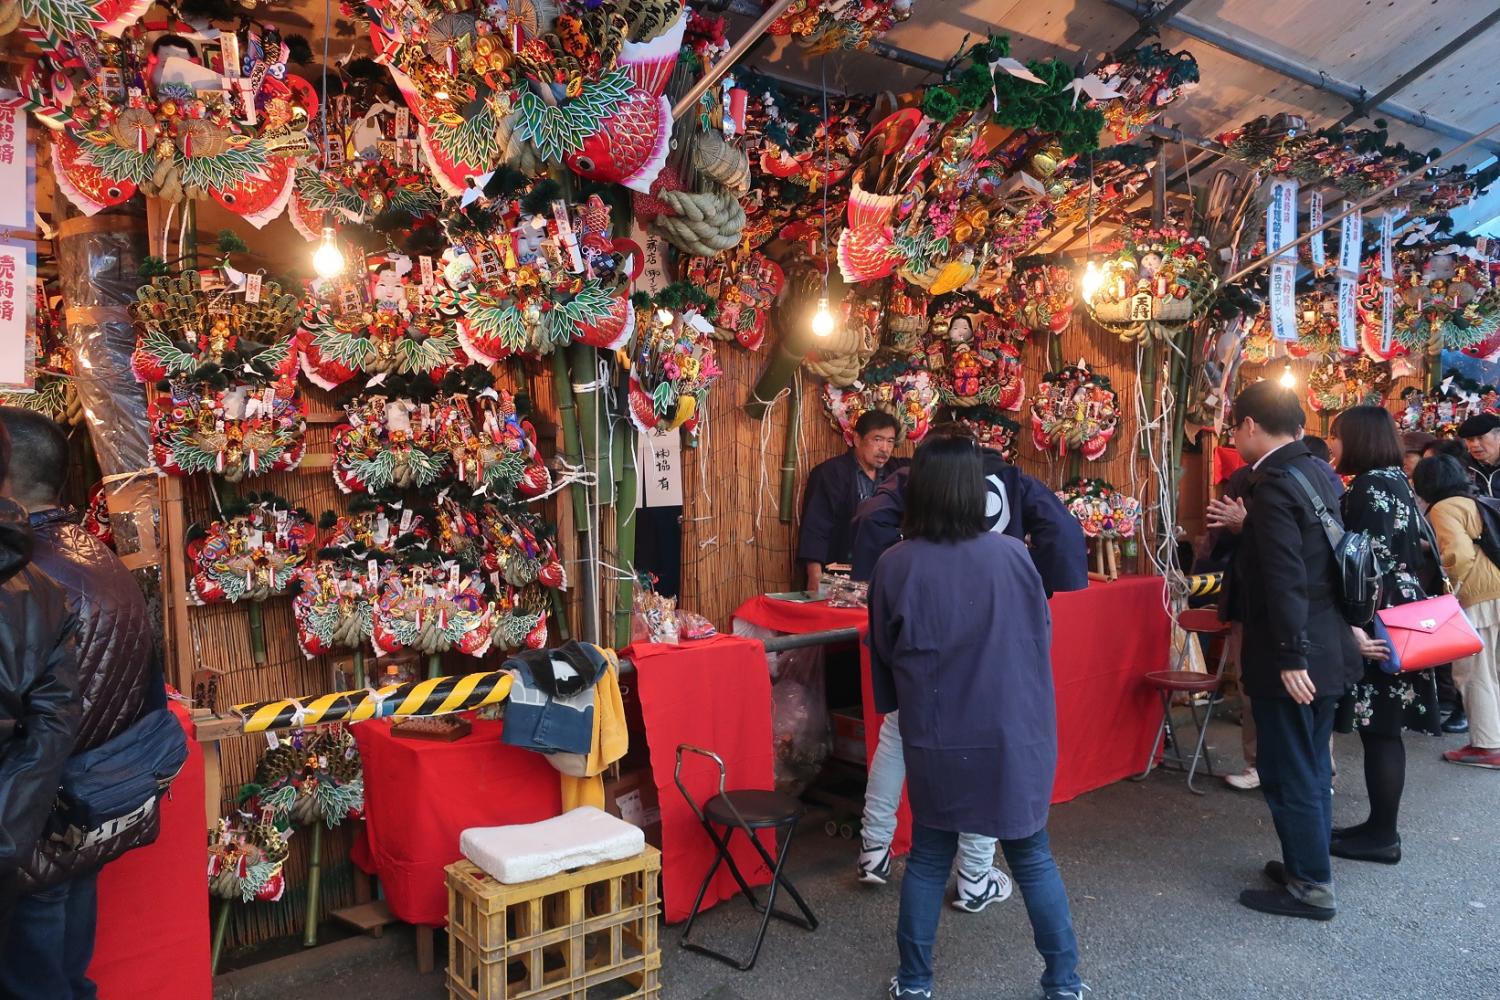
{"x": 252, "y": 288}
{"x": 406, "y": 516}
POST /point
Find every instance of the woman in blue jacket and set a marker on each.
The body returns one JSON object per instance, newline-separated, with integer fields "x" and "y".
{"x": 960, "y": 638}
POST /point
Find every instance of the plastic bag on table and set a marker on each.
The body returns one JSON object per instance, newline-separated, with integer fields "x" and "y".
{"x": 799, "y": 712}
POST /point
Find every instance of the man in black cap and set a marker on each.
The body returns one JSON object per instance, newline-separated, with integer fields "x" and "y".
{"x": 1481, "y": 435}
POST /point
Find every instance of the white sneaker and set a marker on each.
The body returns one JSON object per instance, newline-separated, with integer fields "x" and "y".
{"x": 874, "y": 863}
{"x": 974, "y": 894}
{"x": 1247, "y": 780}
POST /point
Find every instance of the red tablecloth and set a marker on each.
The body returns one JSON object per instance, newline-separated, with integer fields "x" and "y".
{"x": 167, "y": 956}
{"x": 421, "y": 794}
{"x": 1103, "y": 640}
{"x": 716, "y": 695}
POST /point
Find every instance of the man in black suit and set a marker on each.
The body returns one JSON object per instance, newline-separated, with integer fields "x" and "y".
{"x": 1299, "y": 656}
{"x": 837, "y": 487}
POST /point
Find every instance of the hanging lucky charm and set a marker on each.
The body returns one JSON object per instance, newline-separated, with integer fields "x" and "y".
{"x": 1074, "y": 410}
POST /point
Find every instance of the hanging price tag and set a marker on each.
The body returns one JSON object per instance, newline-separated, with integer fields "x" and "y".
{"x": 252, "y": 288}
{"x": 403, "y": 124}
{"x": 425, "y": 263}
{"x": 659, "y": 459}
{"x": 1314, "y": 220}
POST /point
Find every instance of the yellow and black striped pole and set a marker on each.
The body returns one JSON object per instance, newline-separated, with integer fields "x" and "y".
{"x": 434, "y": 696}
{"x": 1204, "y": 584}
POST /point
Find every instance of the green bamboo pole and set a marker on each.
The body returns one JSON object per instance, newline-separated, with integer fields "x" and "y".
{"x": 560, "y": 616}
{"x": 777, "y": 376}
{"x": 572, "y": 452}
{"x": 593, "y": 425}
{"x": 435, "y": 665}
{"x": 221, "y": 924}
{"x": 314, "y": 885}
{"x": 625, "y": 525}
{"x": 257, "y": 634}
{"x": 789, "y": 452}
{"x": 359, "y": 666}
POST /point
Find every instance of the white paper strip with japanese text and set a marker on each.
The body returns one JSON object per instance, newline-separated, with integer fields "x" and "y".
{"x": 1387, "y": 315}
{"x": 1351, "y": 234}
{"x": 1387, "y": 227}
{"x": 659, "y": 460}
{"x": 1281, "y": 229}
{"x": 654, "y": 275}
{"x": 1314, "y": 220}
{"x": 17, "y": 281}
{"x": 16, "y": 176}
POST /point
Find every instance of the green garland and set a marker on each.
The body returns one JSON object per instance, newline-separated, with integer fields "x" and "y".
{"x": 679, "y": 296}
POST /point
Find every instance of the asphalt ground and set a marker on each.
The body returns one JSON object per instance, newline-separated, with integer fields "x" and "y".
{"x": 1152, "y": 874}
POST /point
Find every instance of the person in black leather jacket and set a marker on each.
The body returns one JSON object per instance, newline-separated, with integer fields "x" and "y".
{"x": 39, "y": 704}
{"x": 51, "y": 940}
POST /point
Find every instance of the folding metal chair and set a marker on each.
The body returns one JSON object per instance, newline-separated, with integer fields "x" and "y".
{"x": 1195, "y": 622}
{"x": 747, "y": 811}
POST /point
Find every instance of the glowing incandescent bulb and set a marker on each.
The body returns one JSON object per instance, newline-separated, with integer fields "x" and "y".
{"x": 1288, "y": 378}
{"x": 1093, "y": 280}
{"x": 822, "y": 321}
{"x": 327, "y": 260}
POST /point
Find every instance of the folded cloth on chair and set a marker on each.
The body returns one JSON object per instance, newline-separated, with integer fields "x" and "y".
{"x": 529, "y": 851}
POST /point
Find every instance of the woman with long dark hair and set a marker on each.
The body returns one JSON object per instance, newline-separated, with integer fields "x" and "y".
{"x": 1380, "y": 502}
{"x": 960, "y": 642}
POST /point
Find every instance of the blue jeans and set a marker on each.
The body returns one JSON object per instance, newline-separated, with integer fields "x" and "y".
{"x": 976, "y": 854}
{"x": 1296, "y": 777}
{"x": 1035, "y": 873}
{"x": 51, "y": 942}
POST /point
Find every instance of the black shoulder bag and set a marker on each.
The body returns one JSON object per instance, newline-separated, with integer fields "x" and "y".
{"x": 1355, "y": 565}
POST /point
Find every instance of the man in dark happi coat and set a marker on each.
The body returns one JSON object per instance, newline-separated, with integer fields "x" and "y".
{"x": 837, "y": 487}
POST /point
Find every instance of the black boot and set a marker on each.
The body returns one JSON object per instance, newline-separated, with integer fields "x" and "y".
{"x": 1457, "y": 722}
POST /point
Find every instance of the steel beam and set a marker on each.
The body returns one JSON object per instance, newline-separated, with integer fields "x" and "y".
{"x": 1288, "y": 67}
{"x": 736, "y": 52}
{"x": 1149, "y": 25}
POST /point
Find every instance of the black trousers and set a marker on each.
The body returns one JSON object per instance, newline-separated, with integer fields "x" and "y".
{"x": 1296, "y": 777}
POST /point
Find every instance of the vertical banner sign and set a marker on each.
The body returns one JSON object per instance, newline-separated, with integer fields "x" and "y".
{"x": 1314, "y": 220}
{"x": 1281, "y": 229}
{"x": 1387, "y": 277}
{"x": 17, "y": 284}
{"x": 659, "y": 459}
{"x": 1387, "y": 315}
{"x": 1351, "y": 235}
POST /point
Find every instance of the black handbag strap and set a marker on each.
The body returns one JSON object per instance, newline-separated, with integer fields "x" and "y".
{"x": 1331, "y": 528}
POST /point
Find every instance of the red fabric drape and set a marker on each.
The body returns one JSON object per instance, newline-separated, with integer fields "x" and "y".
{"x": 714, "y": 694}
{"x": 421, "y": 794}
{"x": 167, "y": 956}
{"x": 1103, "y": 640}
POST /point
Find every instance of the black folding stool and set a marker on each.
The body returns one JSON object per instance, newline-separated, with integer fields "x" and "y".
{"x": 747, "y": 811}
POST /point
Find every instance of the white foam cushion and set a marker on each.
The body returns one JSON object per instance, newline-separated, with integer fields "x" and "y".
{"x": 529, "y": 851}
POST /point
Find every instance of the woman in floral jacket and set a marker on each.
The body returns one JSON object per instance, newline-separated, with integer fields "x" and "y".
{"x": 1379, "y": 502}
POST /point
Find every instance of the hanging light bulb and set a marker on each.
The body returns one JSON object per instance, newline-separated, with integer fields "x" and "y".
{"x": 327, "y": 260}
{"x": 1288, "y": 377}
{"x": 822, "y": 321}
{"x": 664, "y": 317}
{"x": 1093, "y": 280}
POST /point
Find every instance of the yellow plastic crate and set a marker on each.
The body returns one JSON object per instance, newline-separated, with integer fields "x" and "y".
{"x": 555, "y": 937}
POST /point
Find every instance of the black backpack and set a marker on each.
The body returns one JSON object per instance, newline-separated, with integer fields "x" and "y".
{"x": 1489, "y": 520}
{"x": 1354, "y": 561}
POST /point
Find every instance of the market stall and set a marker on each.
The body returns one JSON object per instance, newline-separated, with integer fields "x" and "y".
{"x": 397, "y": 372}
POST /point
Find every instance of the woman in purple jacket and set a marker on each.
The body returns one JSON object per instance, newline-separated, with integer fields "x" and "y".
{"x": 960, "y": 640}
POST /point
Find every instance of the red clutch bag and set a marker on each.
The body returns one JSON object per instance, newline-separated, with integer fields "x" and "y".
{"x": 1426, "y": 633}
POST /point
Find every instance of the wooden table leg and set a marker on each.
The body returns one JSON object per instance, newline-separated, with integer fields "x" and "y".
{"x": 424, "y": 949}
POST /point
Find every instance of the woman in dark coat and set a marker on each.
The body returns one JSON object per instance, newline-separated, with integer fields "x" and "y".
{"x": 960, "y": 639}
{"x": 1380, "y": 502}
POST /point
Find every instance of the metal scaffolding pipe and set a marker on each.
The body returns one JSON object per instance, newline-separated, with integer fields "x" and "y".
{"x": 736, "y": 52}
{"x": 1149, "y": 24}
{"x": 1261, "y": 56}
